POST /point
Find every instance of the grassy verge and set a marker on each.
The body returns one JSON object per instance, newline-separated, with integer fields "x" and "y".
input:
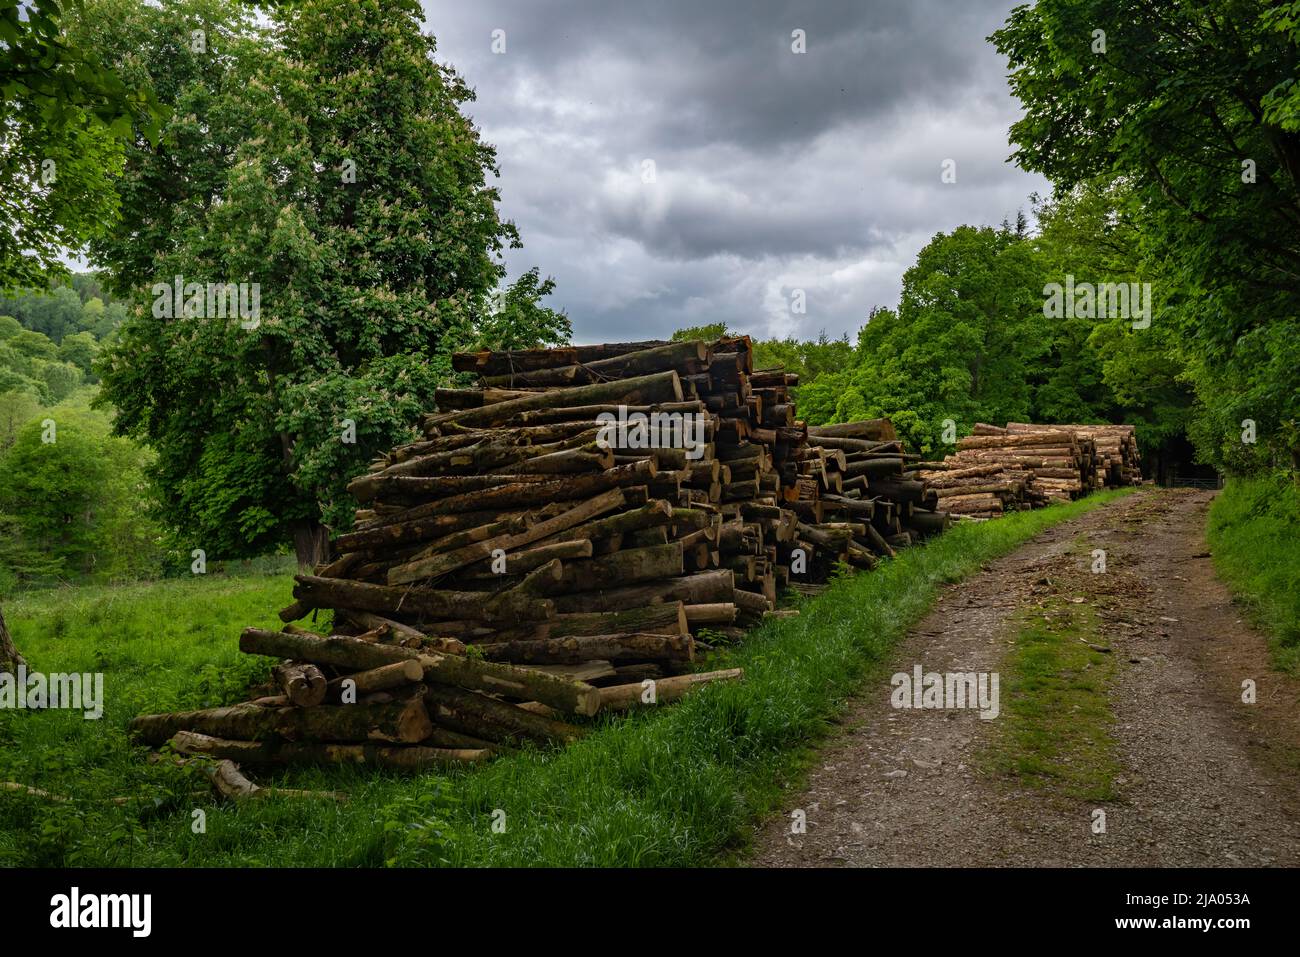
{"x": 1056, "y": 727}
{"x": 671, "y": 787}
{"x": 1254, "y": 535}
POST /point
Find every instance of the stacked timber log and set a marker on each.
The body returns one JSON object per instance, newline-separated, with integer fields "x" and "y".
{"x": 996, "y": 469}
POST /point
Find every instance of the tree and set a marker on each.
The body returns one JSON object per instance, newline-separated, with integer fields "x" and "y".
{"x": 61, "y": 113}
{"x": 1117, "y": 372}
{"x": 72, "y": 505}
{"x": 968, "y": 330}
{"x": 17, "y": 408}
{"x": 332, "y": 167}
{"x": 79, "y": 350}
{"x": 519, "y": 320}
{"x": 708, "y": 333}
{"x": 10, "y": 659}
{"x": 1194, "y": 110}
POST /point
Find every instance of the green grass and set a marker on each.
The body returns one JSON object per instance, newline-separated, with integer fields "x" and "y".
{"x": 1055, "y": 731}
{"x": 1254, "y": 535}
{"x": 677, "y": 786}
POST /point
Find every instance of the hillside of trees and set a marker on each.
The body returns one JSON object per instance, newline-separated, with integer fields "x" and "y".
{"x": 74, "y": 505}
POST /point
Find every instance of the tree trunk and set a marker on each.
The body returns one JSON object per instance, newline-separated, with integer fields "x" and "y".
{"x": 311, "y": 543}
{"x": 10, "y": 659}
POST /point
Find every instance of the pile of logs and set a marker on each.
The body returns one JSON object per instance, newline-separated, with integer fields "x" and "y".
{"x": 561, "y": 540}
{"x": 996, "y": 469}
{"x": 374, "y": 700}
{"x": 864, "y": 491}
{"x": 1116, "y": 461}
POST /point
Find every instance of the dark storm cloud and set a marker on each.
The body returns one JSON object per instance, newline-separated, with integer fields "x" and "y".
{"x": 772, "y": 171}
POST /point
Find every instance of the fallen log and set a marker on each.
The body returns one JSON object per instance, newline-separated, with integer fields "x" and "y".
{"x": 654, "y": 691}
{"x": 399, "y": 721}
{"x": 411, "y": 757}
{"x": 576, "y": 649}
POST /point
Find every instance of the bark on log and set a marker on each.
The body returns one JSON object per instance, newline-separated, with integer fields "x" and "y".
{"x": 400, "y": 721}
{"x": 668, "y": 618}
{"x": 481, "y": 716}
{"x": 643, "y": 390}
{"x": 878, "y": 430}
{"x": 430, "y": 564}
{"x": 717, "y": 613}
{"x": 628, "y": 566}
{"x": 625, "y": 697}
{"x": 444, "y": 645}
{"x": 1028, "y": 439}
{"x": 486, "y": 362}
{"x": 303, "y": 684}
{"x": 698, "y": 589}
{"x": 576, "y": 649}
{"x": 383, "y": 678}
{"x": 388, "y": 600}
{"x": 524, "y": 495}
{"x": 410, "y": 757}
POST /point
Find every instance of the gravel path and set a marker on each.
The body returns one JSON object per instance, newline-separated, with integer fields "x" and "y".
{"x": 1205, "y": 779}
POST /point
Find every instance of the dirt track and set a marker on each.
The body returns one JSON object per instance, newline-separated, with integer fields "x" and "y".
{"x": 1204, "y": 779}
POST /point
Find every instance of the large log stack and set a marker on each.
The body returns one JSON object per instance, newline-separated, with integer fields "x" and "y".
{"x": 582, "y": 520}
{"x": 1116, "y": 460}
{"x": 997, "y": 469}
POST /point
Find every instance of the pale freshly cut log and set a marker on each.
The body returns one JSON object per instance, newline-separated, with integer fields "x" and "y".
{"x": 664, "y": 690}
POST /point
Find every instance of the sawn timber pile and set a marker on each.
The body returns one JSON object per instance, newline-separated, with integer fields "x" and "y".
{"x": 525, "y": 562}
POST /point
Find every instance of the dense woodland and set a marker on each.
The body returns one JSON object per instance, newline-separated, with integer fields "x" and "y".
{"x": 210, "y": 140}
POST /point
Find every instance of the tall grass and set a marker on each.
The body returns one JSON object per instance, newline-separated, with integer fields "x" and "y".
{"x": 676, "y": 786}
{"x": 1254, "y": 535}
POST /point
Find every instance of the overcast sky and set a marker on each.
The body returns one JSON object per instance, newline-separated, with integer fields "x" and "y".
{"x": 772, "y": 171}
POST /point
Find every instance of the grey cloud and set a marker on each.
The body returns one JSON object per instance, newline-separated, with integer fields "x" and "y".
{"x": 774, "y": 170}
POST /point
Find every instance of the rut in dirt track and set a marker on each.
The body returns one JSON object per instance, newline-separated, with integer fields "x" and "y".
{"x": 1203, "y": 779}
